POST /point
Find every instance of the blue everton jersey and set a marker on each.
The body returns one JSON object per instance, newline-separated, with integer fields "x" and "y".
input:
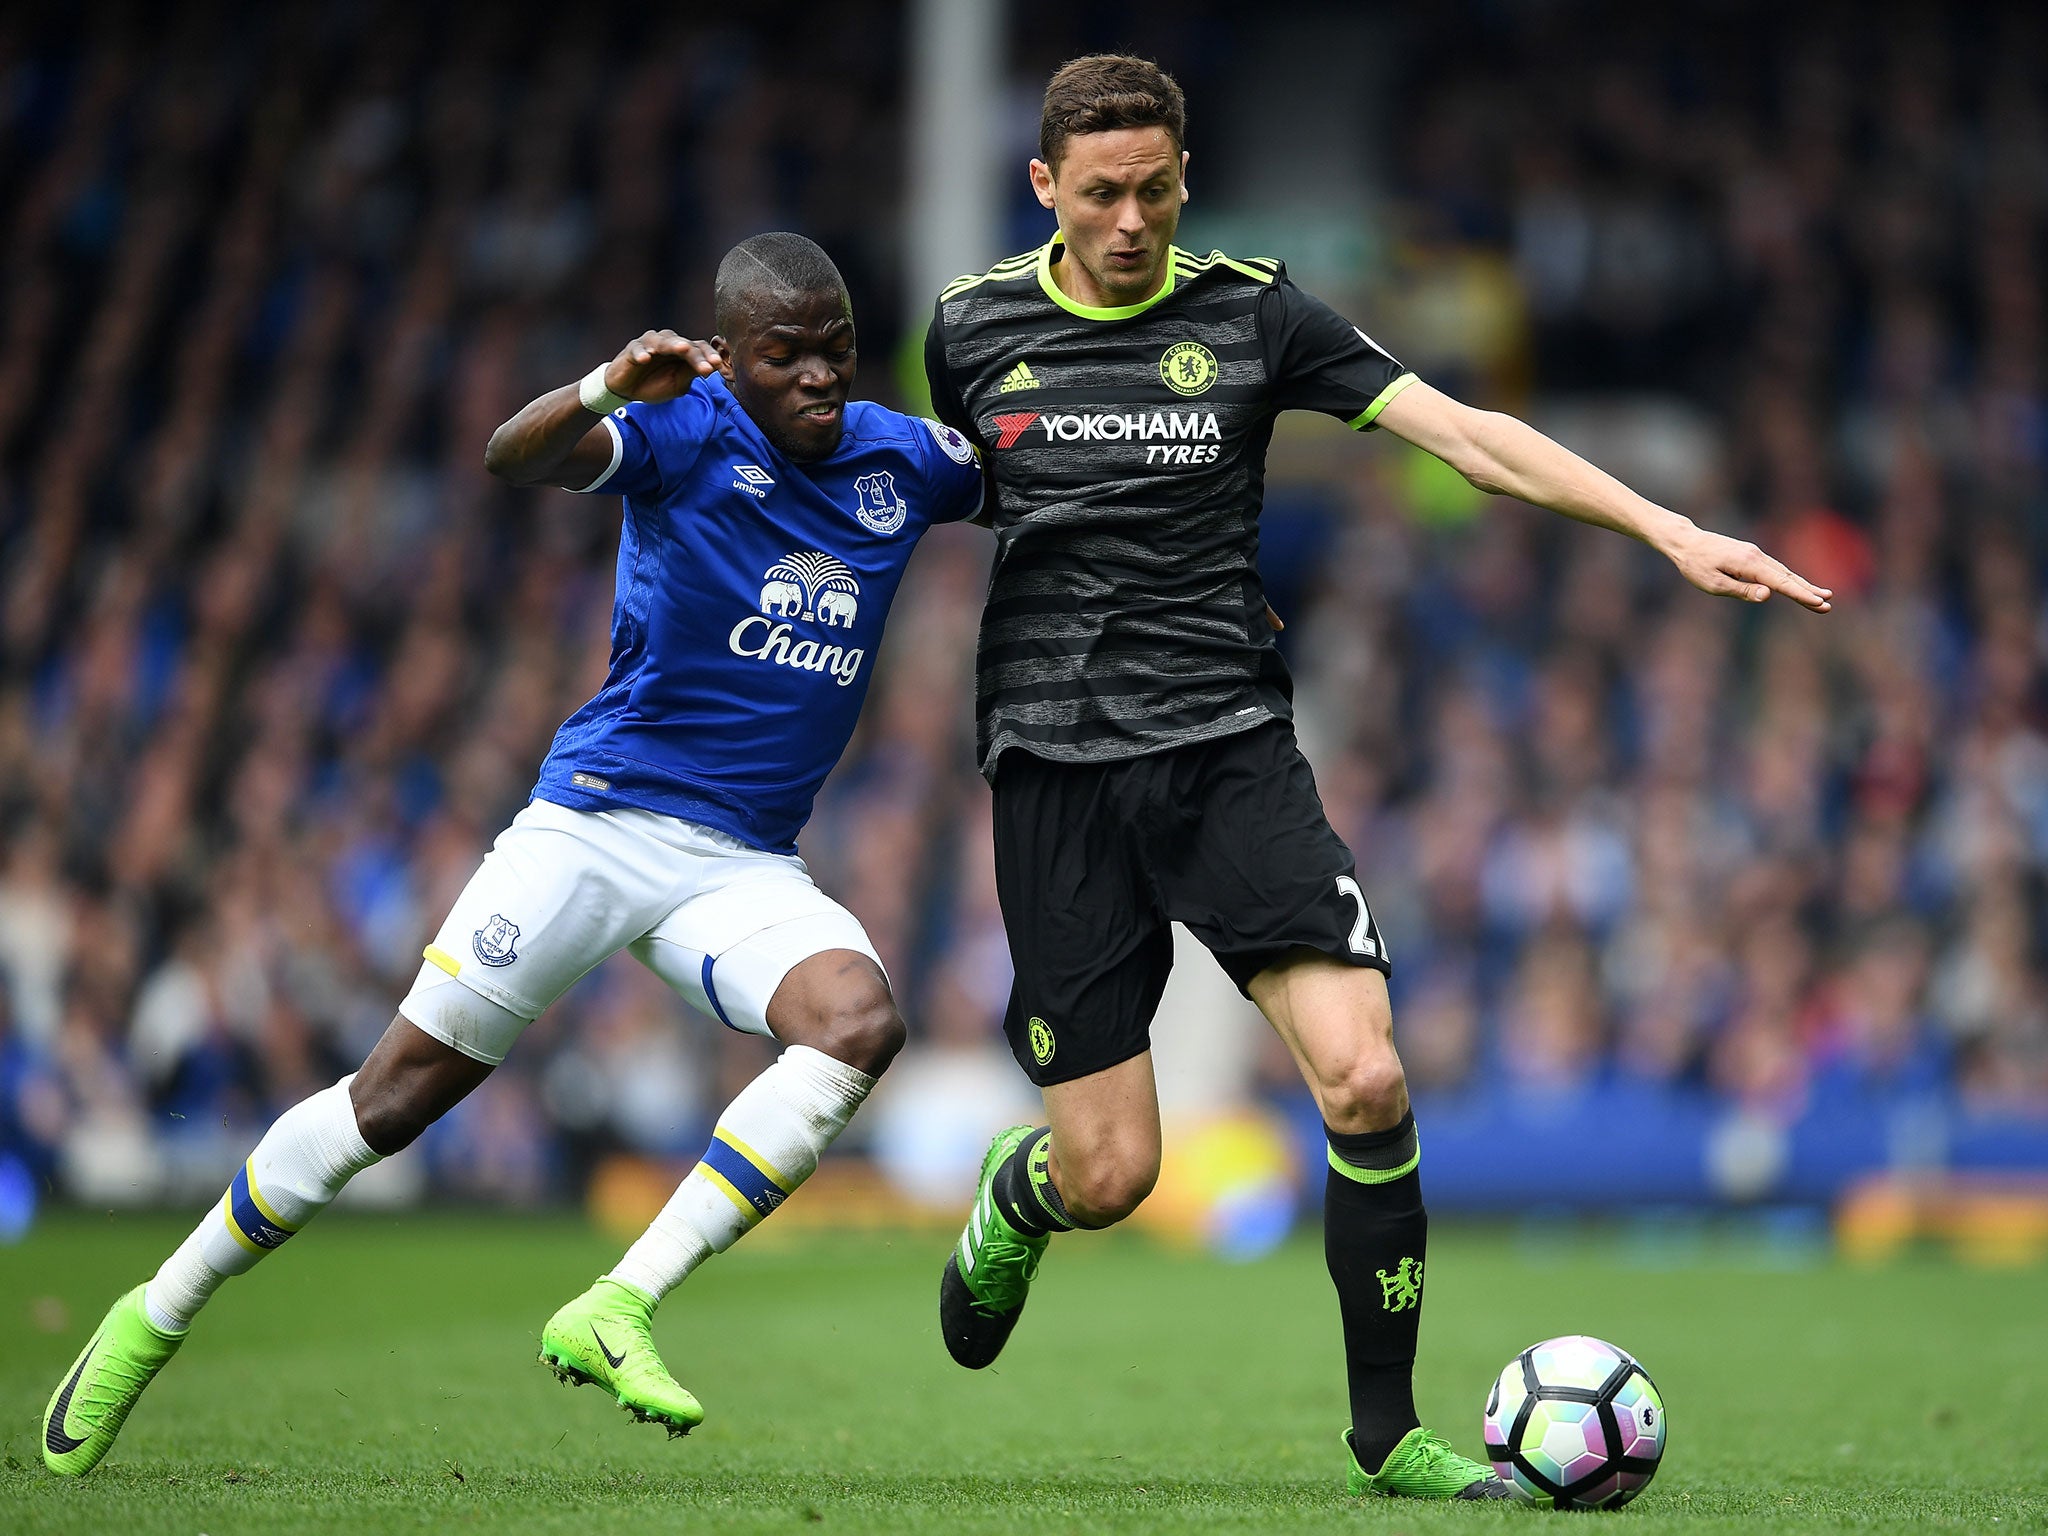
{"x": 750, "y": 602}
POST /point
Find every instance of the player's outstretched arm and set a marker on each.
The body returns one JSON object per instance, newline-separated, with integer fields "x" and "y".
{"x": 559, "y": 439}
{"x": 1507, "y": 457}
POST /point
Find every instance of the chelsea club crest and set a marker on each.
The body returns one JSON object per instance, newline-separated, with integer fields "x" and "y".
{"x": 880, "y": 509}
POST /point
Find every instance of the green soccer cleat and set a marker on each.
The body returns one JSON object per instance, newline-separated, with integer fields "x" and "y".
{"x": 603, "y": 1339}
{"x": 989, "y": 1273}
{"x": 91, "y": 1404}
{"x": 1423, "y": 1466}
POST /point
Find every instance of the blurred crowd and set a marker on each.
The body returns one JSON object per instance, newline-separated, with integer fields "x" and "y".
{"x": 1630, "y": 831}
{"x": 277, "y": 659}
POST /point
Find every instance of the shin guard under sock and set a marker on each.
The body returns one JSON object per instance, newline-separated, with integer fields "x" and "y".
{"x": 1375, "y": 1232}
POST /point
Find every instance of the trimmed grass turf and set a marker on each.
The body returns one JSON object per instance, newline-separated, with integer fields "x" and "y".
{"x": 378, "y": 1376}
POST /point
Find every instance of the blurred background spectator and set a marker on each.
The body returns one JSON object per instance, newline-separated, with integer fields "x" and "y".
{"x": 277, "y": 659}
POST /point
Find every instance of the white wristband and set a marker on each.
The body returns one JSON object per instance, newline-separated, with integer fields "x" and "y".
{"x": 596, "y": 394}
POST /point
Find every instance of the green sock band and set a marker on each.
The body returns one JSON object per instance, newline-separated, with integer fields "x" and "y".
{"x": 1376, "y": 1157}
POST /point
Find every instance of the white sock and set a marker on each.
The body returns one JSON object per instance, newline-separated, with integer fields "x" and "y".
{"x": 767, "y": 1142}
{"x": 297, "y": 1168}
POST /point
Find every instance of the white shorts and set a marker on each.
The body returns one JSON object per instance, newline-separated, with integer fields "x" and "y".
{"x": 561, "y": 890}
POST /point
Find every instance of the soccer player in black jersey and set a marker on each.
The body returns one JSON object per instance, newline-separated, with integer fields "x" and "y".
{"x": 1133, "y": 715}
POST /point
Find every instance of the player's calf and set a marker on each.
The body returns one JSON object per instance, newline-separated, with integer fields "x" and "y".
{"x": 410, "y": 1079}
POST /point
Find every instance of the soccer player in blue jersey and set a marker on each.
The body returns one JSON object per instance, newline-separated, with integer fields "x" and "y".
{"x": 767, "y": 525}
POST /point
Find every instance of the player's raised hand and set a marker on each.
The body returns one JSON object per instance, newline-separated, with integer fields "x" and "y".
{"x": 1727, "y": 567}
{"x": 659, "y": 365}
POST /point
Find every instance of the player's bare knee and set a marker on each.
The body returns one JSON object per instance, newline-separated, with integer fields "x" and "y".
{"x": 1104, "y": 1193}
{"x": 864, "y": 1030}
{"x": 1368, "y": 1094}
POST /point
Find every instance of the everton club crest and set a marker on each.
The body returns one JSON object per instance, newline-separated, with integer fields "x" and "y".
{"x": 881, "y": 510}
{"x": 493, "y": 942}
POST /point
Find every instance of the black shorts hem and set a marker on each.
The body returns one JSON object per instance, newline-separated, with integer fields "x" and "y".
{"x": 1241, "y": 966}
{"x": 1056, "y": 1072}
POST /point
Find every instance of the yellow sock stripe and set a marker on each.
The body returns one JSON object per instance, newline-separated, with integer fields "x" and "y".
{"x": 746, "y": 1206}
{"x": 435, "y": 955}
{"x": 263, "y": 1205}
{"x": 227, "y": 1214}
{"x": 768, "y": 1170}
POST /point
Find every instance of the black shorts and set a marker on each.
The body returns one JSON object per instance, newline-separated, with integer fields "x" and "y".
{"x": 1094, "y": 860}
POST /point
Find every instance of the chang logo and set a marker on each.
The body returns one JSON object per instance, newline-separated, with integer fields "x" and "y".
{"x": 812, "y": 588}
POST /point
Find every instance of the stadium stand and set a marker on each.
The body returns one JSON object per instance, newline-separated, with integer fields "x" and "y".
{"x": 277, "y": 658}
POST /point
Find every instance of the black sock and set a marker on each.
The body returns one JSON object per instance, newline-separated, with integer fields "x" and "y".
{"x": 1024, "y": 1190}
{"x": 1374, "y": 1235}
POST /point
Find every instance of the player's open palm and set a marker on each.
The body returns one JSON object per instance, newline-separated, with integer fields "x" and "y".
{"x": 1727, "y": 567}
{"x": 659, "y": 365}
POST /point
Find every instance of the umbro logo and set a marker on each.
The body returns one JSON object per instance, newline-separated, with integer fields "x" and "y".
{"x": 753, "y": 479}
{"x": 1019, "y": 377}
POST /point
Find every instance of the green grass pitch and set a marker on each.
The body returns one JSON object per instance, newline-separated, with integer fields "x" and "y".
{"x": 378, "y": 1375}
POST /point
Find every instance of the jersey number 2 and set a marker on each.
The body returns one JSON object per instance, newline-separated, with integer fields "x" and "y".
{"x": 1361, "y": 941}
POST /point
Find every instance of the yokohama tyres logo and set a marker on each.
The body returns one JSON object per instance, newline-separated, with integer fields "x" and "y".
{"x": 1151, "y": 427}
{"x": 1011, "y": 426}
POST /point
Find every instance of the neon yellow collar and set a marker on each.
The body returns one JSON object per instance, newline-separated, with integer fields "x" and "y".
{"x": 1058, "y": 295}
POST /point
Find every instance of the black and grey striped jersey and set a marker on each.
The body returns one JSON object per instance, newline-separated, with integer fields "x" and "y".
{"x": 1125, "y": 613}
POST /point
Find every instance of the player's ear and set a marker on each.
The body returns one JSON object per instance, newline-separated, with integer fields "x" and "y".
{"x": 724, "y": 350}
{"x": 1041, "y": 182}
{"x": 1183, "y": 175}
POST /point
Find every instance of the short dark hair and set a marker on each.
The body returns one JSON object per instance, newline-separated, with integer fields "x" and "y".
{"x": 778, "y": 263}
{"x": 1108, "y": 90}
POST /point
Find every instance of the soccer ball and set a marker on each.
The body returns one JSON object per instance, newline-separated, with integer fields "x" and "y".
{"x": 1575, "y": 1423}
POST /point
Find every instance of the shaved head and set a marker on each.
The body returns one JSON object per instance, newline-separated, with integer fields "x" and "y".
{"x": 771, "y": 271}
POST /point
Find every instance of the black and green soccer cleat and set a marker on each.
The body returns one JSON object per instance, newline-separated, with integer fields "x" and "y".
{"x": 604, "y": 1338}
{"x": 1423, "y": 1466}
{"x": 91, "y": 1403}
{"x": 989, "y": 1273}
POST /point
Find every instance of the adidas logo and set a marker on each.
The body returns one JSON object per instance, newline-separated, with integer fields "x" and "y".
{"x": 1018, "y": 377}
